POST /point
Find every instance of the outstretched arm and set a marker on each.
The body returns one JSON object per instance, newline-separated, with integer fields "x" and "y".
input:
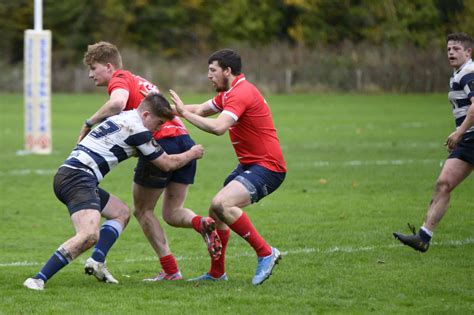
{"x": 195, "y": 115}
{"x": 171, "y": 162}
{"x": 115, "y": 105}
{"x": 456, "y": 136}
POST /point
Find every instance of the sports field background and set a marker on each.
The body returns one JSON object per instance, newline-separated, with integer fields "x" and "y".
{"x": 360, "y": 167}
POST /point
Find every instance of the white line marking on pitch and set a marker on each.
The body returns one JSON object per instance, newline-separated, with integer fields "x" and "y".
{"x": 24, "y": 172}
{"x": 374, "y": 162}
{"x": 298, "y": 251}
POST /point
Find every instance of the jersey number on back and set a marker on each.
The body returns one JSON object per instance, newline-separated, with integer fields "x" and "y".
{"x": 107, "y": 128}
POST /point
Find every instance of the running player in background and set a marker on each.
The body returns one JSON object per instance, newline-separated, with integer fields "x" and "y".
{"x": 77, "y": 179}
{"x": 261, "y": 169}
{"x": 460, "y": 143}
{"x": 126, "y": 90}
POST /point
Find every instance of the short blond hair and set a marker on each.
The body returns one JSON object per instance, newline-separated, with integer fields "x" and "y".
{"x": 103, "y": 53}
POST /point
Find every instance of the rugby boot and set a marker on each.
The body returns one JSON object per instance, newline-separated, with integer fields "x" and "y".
{"x": 414, "y": 240}
{"x": 210, "y": 236}
{"x": 165, "y": 276}
{"x": 265, "y": 266}
{"x": 208, "y": 277}
{"x": 34, "y": 284}
{"x": 99, "y": 270}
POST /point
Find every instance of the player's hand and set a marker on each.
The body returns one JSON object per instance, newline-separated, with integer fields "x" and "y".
{"x": 453, "y": 140}
{"x": 197, "y": 150}
{"x": 178, "y": 104}
{"x": 84, "y": 131}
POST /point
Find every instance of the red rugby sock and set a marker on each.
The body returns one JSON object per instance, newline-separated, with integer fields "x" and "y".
{"x": 196, "y": 222}
{"x": 168, "y": 263}
{"x": 246, "y": 230}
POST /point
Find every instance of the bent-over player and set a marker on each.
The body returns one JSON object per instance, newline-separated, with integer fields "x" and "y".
{"x": 76, "y": 183}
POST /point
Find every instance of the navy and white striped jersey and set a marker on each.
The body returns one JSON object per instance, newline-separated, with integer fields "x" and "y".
{"x": 111, "y": 142}
{"x": 461, "y": 89}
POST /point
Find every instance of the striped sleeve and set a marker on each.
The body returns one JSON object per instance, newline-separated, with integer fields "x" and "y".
{"x": 145, "y": 144}
{"x": 467, "y": 83}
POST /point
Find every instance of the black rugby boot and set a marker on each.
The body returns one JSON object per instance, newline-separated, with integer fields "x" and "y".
{"x": 414, "y": 241}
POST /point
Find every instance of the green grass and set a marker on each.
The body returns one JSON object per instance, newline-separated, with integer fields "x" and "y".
{"x": 360, "y": 167}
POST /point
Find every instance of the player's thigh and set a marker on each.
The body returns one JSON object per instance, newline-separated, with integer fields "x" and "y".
{"x": 115, "y": 208}
{"x": 454, "y": 172}
{"x": 234, "y": 194}
{"x": 145, "y": 198}
{"x": 86, "y": 221}
{"x": 174, "y": 196}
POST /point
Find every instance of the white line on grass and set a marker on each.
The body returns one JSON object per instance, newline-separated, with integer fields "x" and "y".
{"x": 24, "y": 172}
{"x": 297, "y": 251}
{"x": 353, "y": 163}
{"x": 356, "y": 163}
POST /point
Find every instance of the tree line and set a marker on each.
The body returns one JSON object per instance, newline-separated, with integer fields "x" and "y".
{"x": 177, "y": 28}
{"x": 286, "y": 45}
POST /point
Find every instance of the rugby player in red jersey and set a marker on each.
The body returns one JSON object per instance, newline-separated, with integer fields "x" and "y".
{"x": 261, "y": 168}
{"x": 126, "y": 91}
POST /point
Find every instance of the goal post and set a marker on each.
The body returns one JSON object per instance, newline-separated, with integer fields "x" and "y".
{"x": 37, "y": 87}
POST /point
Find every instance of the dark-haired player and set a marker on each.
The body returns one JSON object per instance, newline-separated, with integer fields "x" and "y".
{"x": 460, "y": 143}
{"x": 261, "y": 167}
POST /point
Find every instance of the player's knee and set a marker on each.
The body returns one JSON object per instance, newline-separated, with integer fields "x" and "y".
{"x": 124, "y": 214}
{"x": 218, "y": 205}
{"x": 138, "y": 214}
{"x": 168, "y": 218}
{"x": 141, "y": 214}
{"x": 443, "y": 186}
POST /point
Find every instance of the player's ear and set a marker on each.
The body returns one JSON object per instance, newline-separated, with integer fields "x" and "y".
{"x": 110, "y": 66}
{"x": 144, "y": 114}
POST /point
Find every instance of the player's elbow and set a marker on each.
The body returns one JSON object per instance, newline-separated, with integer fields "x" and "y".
{"x": 166, "y": 166}
{"x": 117, "y": 107}
{"x": 162, "y": 163}
{"x": 218, "y": 131}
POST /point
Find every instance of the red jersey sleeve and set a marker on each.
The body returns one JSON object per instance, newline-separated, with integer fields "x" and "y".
{"x": 118, "y": 81}
{"x": 217, "y": 102}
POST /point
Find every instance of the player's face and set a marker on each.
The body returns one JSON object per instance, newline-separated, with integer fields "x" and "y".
{"x": 457, "y": 54}
{"x": 217, "y": 76}
{"x": 152, "y": 122}
{"x": 101, "y": 74}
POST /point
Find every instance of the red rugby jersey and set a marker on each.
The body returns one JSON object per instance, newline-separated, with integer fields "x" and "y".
{"x": 125, "y": 80}
{"x": 253, "y": 135}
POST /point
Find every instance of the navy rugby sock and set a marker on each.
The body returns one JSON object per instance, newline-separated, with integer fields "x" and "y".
{"x": 56, "y": 262}
{"x": 109, "y": 233}
{"x": 425, "y": 234}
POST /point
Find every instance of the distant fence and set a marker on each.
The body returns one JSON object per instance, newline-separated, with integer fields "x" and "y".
{"x": 277, "y": 68}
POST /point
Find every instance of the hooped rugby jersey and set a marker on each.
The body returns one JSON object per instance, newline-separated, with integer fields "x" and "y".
{"x": 253, "y": 135}
{"x": 134, "y": 84}
{"x": 461, "y": 90}
{"x": 111, "y": 142}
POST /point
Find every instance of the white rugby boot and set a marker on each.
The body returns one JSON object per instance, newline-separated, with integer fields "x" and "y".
{"x": 99, "y": 270}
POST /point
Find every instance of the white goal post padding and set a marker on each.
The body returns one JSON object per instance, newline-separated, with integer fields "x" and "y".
{"x": 37, "y": 91}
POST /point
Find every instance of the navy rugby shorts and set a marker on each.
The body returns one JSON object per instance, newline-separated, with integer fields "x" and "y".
{"x": 465, "y": 149}
{"x": 258, "y": 180}
{"x": 148, "y": 175}
{"x": 78, "y": 190}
